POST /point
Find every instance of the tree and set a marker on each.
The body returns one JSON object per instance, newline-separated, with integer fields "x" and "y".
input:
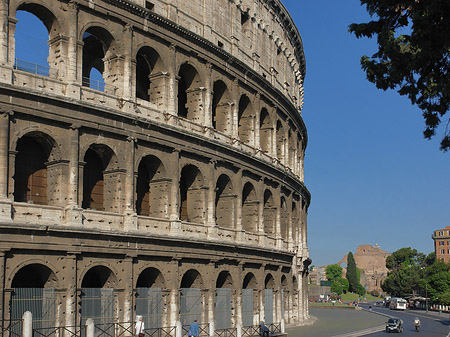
{"x": 352, "y": 276}
{"x": 413, "y": 55}
{"x": 333, "y": 272}
{"x": 339, "y": 286}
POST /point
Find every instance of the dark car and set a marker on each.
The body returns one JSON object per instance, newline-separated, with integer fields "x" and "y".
{"x": 394, "y": 324}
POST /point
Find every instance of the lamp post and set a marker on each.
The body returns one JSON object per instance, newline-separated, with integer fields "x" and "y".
{"x": 426, "y": 297}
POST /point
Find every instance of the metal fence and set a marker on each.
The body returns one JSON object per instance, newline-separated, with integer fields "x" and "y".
{"x": 39, "y": 301}
{"x": 190, "y": 305}
{"x": 247, "y": 307}
{"x": 202, "y": 328}
{"x": 222, "y": 310}
{"x": 98, "y": 304}
{"x": 268, "y": 306}
{"x": 65, "y": 331}
{"x": 149, "y": 306}
{"x": 161, "y": 332}
{"x": 12, "y": 328}
{"x": 33, "y": 68}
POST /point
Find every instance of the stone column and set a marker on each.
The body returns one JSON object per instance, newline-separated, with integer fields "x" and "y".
{"x": 278, "y": 313}
{"x": 71, "y": 305}
{"x": 4, "y": 147}
{"x": 74, "y": 144}
{"x": 235, "y": 109}
{"x": 127, "y": 71}
{"x": 208, "y": 101}
{"x": 211, "y": 294}
{"x": 238, "y": 204}
{"x": 130, "y": 212}
{"x": 211, "y": 204}
{"x": 174, "y": 296}
{"x": 11, "y": 41}
{"x": 257, "y": 107}
{"x": 4, "y": 32}
{"x": 72, "y": 49}
{"x": 174, "y": 188}
{"x": 238, "y": 291}
{"x": 2, "y": 284}
{"x": 173, "y": 87}
{"x": 128, "y": 285}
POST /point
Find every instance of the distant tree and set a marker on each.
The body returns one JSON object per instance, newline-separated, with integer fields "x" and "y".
{"x": 351, "y": 276}
{"x": 360, "y": 290}
{"x": 412, "y": 56}
{"x": 437, "y": 280}
{"x": 333, "y": 272}
{"x": 339, "y": 286}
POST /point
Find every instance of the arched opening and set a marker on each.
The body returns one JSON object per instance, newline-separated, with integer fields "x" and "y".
{"x": 30, "y": 176}
{"x": 224, "y": 202}
{"x": 190, "y": 94}
{"x": 269, "y": 285}
{"x": 34, "y": 291}
{"x": 31, "y": 36}
{"x": 249, "y": 299}
{"x": 265, "y": 131}
{"x": 221, "y": 108}
{"x": 100, "y": 184}
{"x": 149, "y": 301}
{"x": 152, "y": 188}
{"x": 96, "y": 42}
{"x": 269, "y": 213}
{"x": 280, "y": 142}
{"x": 246, "y": 120}
{"x": 192, "y": 195}
{"x": 223, "y": 307}
{"x": 191, "y": 297}
{"x": 97, "y": 296}
{"x": 284, "y": 219}
{"x": 249, "y": 208}
{"x": 147, "y": 84}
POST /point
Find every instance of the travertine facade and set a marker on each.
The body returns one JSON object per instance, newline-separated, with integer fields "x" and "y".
{"x": 183, "y": 171}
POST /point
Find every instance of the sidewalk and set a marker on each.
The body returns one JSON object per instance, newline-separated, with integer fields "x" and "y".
{"x": 335, "y": 322}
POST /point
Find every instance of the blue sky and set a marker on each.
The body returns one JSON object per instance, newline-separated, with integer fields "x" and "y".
{"x": 372, "y": 175}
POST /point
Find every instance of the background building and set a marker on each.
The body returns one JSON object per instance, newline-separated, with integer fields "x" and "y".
{"x": 173, "y": 187}
{"x": 441, "y": 238}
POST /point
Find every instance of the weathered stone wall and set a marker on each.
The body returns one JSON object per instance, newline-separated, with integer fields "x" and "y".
{"x": 162, "y": 172}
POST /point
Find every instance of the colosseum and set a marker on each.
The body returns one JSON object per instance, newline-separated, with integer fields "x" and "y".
{"x": 173, "y": 187}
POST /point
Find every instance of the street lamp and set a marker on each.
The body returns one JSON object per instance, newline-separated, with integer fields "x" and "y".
{"x": 426, "y": 297}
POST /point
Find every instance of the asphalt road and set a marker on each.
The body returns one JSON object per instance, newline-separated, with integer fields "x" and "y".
{"x": 432, "y": 324}
{"x": 354, "y": 323}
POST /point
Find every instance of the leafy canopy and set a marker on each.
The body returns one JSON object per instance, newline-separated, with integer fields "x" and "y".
{"x": 413, "y": 55}
{"x": 333, "y": 272}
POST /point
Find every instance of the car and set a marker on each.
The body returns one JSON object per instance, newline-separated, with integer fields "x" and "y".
{"x": 394, "y": 324}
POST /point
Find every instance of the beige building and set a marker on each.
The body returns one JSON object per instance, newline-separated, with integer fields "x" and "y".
{"x": 174, "y": 187}
{"x": 371, "y": 261}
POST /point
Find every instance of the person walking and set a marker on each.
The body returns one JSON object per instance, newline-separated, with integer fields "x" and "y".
{"x": 193, "y": 329}
{"x": 263, "y": 330}
{"x": 139, "y": 327}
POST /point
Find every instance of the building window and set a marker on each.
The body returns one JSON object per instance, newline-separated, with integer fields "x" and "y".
{"x": 448, "y": 251}
{"x": 442, "y": 251}
{"x": 441, "y": 243}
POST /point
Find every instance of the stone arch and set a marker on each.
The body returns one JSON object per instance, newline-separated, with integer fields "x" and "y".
{"x": 190, "y": 94}
{"x": 192, "y": 195}
{"x": 34, "y": 151}
{"x": 98, "y": 276}
{"x": 269, "y": 213}
{"x": 246, "y": 125}
{"x": 192, "y": 279}
{"x": 284, "y": 219}
{"x": 250, "y": 281}
{"x": 265, "y": 131}
{"x": 225, "y": 202}
{"x": 281, "y": 139}
{"x": 224, "y": 280}
{"x": 52, "y": 44}
{"x": 249, "y": 208}
{"x": 97, "y": 42}
{"x": 151, "y": 278}
{"x": 34, "y": 275}
{"x": 152, "y": 188}
{"x": 149, "y": 81}
{"x": 221, "y": 108}
{"x": 284, "y": 283}
{"x": 269, "y": 282}
{"x": 100, "y": 179}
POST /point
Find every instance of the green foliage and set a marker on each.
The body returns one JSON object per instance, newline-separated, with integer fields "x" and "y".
{"x": 352, "y": 276}
{"x": 333, "y": 272}
{"x": 339, "y": 286}
{"x": 412, "y": 56}
{"x": 360, "y": 289}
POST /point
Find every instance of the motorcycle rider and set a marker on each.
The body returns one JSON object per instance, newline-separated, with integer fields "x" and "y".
{"x": 417, "y": 323}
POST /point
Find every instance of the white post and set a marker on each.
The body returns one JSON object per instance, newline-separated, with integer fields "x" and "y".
{"x": 90, "y": 327}
{"x": 179, "y": 331}
{"x": 27, "y": 324}
{"x": 238, "y": 330}
{"x": 283, "y": 328}
{"x": 212, "y": 329}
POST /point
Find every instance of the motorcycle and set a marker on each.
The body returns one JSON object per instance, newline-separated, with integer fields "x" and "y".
{"x": 417, "y": 325}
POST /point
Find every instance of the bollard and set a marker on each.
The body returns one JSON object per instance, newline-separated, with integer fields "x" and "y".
{"x": 179, "y": 330}
{"x": 238, "y": 330}
{"x": 283, "y": 328}
{"x": 211, "y": 328}
{"x": 27, "y": 329}
{"x": 90, "y": 327}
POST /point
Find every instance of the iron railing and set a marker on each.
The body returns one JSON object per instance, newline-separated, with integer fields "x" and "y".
{"x": 274, "y": 328}
{"x": 61, "y": 331}
{"x": 33, "y": 68}
{"x": 114, "y": 329}
{"x": 250, "y": 331}
{"x": 203, "y": 330}
{"x": 11, "y": 328}
{"x": 229, "y": 332}
{"x": 161, "y": 332}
